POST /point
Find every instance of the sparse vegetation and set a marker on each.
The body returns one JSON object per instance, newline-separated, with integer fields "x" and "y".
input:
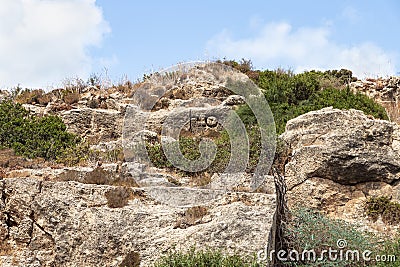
{"x": 289, "y": 95}
{"x": 29, "y": 96}
{"x": 131, "y": 260}
{"x": 191, "y": 216}
{"x": 189, "y": 147}
{"x": 118, "y": 197}
{"x": 82, "y": 154}
{"x": 70, "y": 97}
{"x": 383, "y": 207}
{"x": 77, "y": 155}
{"x": 206, "y": 258}
{"x": 391, "y": 251}
{"x": 311, "y": 230}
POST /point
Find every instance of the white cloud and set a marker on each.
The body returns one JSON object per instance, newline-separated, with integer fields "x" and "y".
{"x": 279, "y": 45}
{"x": 45, "y": 41}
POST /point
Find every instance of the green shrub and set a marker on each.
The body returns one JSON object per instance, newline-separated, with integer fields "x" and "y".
{"x": 309, "y": 229}
{"x": 189, "y": 147}
{"x": 291, "y": 95}
{"x": 75, "y": 155}
{"x": 32, "y": 136}
{"x": 157, "y": 156}
{"x": 82, "y": 154}
{"x": 344, "y": 99}
{"x": 204, "y": 258}
{"x": 384, "y": 207}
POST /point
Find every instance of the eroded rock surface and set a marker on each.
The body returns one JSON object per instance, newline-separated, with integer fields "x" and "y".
{"x": 94, "y": 124}
{"x": 44, "y": 223}
{"x": 346, "y": 147}
{"x": 340, "y": 158}
{"x": 384, "y": 91}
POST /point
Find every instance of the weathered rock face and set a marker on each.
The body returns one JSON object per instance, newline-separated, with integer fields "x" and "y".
{"x": 338, "y": 159}
{"x": 45, "y": 223}
{"x": 343, "y": 146}
{"x": 384, "y": 91}
{"x": 94, "y": 124}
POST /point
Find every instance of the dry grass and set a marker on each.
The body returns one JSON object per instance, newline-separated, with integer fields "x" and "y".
{"x": 192, "y": 216}
{"x": 45, "y": 99}
{"x": 71, "y": 97}
{"x": 5, "y": 249}
{"x": 200, "y": 179}
{"x": 127, "y": 88}
{"x": 36, "y": 96}
{"x": 118, "y": 197}
{"x": 10, "y": 161}
{"x": 82, "y": 155}
{"x": 98, "y": 176}
{"x": 29, "y": 96}
{"x": 56, "y": 107}
{"x": 132, "y": 259}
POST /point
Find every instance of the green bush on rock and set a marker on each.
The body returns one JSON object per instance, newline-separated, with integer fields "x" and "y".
{"x": 32, "y": 136}
{"x": 311, "y": 230}
{"x": 290, "y": 95}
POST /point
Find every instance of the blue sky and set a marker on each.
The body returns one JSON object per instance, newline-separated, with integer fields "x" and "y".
{"x": 42, "y": 42}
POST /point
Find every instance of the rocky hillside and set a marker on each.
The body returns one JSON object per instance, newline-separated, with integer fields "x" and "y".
{"x": 112, "y": 210}
{"x": 107, "y": 203}
{"x": 383, "y": 91}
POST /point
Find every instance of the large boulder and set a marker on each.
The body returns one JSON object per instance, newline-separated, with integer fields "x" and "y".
{"x": 338, "y": 159}
{"x": 346, "y": 147}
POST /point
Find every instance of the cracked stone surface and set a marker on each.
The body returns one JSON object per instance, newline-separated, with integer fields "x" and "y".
{"x": 339, "y": 158}
{"x": 384, "y": 91}
{"x": 47, "y": 223}
{"x": 343, "y": 146}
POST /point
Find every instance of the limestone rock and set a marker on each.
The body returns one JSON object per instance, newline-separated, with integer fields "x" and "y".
{"x": 234, "y": 100}
{"x": 346, "y": 147}
{"x": 384, "y": 91}
{"x": 340, "y": 158}
{"x": 73, "y": 224}
{"x": 94, "y": 124}
{"x": 345, "y": 202}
